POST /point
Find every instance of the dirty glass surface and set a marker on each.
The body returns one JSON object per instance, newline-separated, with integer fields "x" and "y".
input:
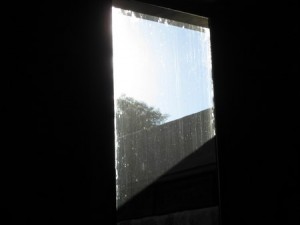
{"x": 163, "y": 93}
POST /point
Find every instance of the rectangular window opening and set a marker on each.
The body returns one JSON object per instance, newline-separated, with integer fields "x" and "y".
{"x": 165, "y": 152}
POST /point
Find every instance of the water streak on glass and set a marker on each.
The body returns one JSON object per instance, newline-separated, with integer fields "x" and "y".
{"x": 163, "y": 94}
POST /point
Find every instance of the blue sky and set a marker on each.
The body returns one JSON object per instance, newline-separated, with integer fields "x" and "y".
{"x": 165, "y": 66}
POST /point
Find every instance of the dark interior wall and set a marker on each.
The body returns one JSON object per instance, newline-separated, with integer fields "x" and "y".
{"x": 58, "y": 165}
{"x": 57, "y": 158}
{"x": 256, "y": 94}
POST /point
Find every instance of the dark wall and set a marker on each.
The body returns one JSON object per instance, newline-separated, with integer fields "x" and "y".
{"x": 57, "y": 159}
{"x": 256, "y": 70}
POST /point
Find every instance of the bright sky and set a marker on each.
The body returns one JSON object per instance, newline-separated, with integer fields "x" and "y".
{"x": 165, "y": 66}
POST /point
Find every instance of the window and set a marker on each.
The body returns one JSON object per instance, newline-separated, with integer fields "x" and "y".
{"x": 164, "y": 111}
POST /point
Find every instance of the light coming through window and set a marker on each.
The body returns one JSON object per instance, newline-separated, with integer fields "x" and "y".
{"x": 163, "y": 93}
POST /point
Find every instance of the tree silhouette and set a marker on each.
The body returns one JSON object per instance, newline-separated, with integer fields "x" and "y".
{"x": 133, "y": 115}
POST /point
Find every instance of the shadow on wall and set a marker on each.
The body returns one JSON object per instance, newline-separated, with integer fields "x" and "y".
{"x": 145, "y": 155}
{"x": 186, "y": 192}
{"x": 205, "y": 216}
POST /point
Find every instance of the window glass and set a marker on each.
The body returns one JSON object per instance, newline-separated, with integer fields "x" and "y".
{"x": 163, "y": 93}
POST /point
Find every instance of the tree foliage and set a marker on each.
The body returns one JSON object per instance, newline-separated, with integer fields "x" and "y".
{"x": 133, "y": 115}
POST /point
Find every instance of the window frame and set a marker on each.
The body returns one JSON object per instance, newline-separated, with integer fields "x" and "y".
{"x": 180, "y": 16}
